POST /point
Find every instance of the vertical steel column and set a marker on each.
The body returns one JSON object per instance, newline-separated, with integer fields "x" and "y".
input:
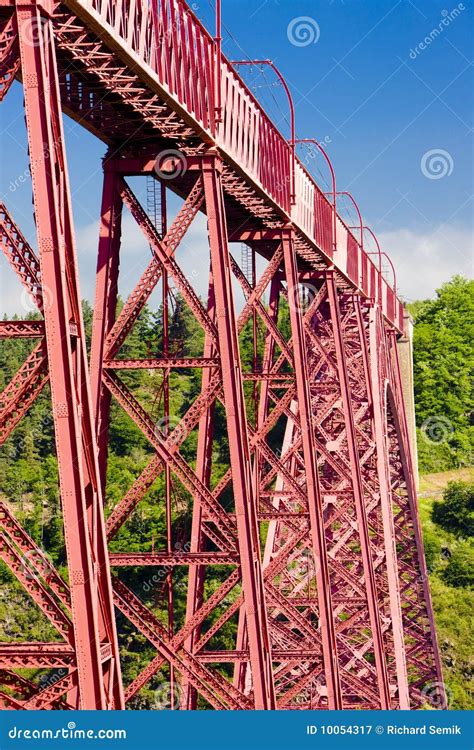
{"x": 377, "y": 387}
{"x": 407, "y": 466}
{"x": 166, "y": 432}
{"x": 328, "y": 630}
{"x": 246, "y": 517}
{"x": 268, "y": 354}
{"x": 203, "y": 471}
{"x": 105, "y": 307}
{"x": 366, "y": 551}
{"x": 99, "y": 677}
{"x": 241, "y": 671}
{"x": 255, "y": 339}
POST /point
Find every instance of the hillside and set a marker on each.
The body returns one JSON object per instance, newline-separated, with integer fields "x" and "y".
{"x": 444, "y": 377}
{"x": 28, "y": 474}
{"x": 453, "y": 604}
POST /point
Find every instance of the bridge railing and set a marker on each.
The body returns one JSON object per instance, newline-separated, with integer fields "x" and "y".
{"x": 251, "y": 139}
{"x": 166, "y": 37}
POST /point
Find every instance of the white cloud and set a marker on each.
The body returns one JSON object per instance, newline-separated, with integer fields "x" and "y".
{"x": 135, "y": 254}
{"x": 192, "y": 256}
{"x": 425, "y": 260}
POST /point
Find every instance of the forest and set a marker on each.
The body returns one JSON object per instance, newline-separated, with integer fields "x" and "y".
{"x": 444, "y": 359}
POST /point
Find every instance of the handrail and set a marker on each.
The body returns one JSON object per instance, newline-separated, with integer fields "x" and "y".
{"x": 333, "y": 179}
{"x": 387, "y": 256}
{"x": 182, "y": 57}
{"x": 359, "y": 215}
{"x": 292, "y": 141}
{"x": 218, "y": 76}
{"x": 381, "y": 252}
{"x": 378, "y": 252}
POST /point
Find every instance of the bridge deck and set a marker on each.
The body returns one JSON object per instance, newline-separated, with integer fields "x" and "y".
{"x": 141, "y": 74}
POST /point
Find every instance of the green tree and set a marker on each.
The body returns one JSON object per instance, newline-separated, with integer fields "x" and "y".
{"x": 455, "y": 513}
{"x": 443, "y": 373}
{"x": 459, "y": 571}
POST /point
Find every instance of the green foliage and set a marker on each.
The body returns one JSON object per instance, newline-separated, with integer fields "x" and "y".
{"x": 459, "y": 571}
{"x": 28, "y": 476}
{"x": 453, "y": 609}
{"x": 432, "y": 547}
{"x": 29, "y": 479}
{"x": 450, "y": 561}
{"x": 443, "y": 374}
{"x": 456, "y": 511}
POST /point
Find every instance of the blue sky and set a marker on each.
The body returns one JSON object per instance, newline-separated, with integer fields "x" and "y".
{"x": 362, "y": 81}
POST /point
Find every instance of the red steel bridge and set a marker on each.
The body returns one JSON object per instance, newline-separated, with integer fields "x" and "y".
{"x": 305, "y": 550}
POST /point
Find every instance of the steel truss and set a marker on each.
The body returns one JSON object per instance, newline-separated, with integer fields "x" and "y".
{"x": 306, "y": 552}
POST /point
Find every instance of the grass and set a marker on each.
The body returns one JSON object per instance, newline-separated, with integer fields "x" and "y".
{"x": 453, "y": 607}
{"x": 434, "y": 484}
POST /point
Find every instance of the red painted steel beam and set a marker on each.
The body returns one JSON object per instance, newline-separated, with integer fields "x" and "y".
{"x": 252, "y": 581}
{"x": 22, "y": 390}
{"x": 93, "y": 617}
{"x": 21, "y": 256}
{"x": 336, "y": 486}
{"x": 23, "y": 329}
{"x": 328, "y": 635}
{"x": 104, "y": 309}
{"x": 9, "y": 54}
{"x": 195, "y": 590}
{"x": 406, "y": 483}
{"x": 368, "y": 558}
{"x": 376, "y": 378}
